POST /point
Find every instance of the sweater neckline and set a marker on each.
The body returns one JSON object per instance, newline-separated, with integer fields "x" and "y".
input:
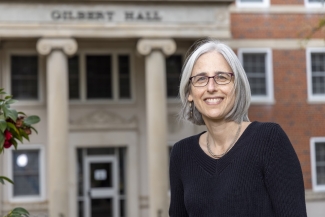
{"x": 216, "y": 166}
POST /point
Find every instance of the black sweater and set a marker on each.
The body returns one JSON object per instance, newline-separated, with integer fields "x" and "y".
{"x": 260, "y": 176}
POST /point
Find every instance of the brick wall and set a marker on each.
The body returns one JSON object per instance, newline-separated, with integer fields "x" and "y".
{"x": 276, "y": 26}
{"x": 287, "y": 2}
{"x": 300, "y": 120}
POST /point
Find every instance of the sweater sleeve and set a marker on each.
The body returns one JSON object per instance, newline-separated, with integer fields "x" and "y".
{"x": 177, "y": 205}
{"x": 283, "y": 176}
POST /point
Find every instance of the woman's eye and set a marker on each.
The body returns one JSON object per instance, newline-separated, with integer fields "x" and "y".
{"x": 201, "y": 78}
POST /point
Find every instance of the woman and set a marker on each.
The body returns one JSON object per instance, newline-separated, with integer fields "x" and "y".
{"x": 237, "y": 167}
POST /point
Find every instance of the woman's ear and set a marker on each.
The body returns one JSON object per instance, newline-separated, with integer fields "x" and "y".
{"x": 190, "y": 98}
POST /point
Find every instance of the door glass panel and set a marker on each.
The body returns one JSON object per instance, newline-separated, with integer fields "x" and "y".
{"x": 102, "y": 208}
{"x": 101, "y": 175}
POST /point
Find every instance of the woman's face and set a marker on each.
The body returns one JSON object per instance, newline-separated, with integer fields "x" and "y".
{"x": 214, "y": 101}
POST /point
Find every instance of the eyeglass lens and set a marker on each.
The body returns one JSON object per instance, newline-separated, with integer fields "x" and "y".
{"x": 202, "y": 80}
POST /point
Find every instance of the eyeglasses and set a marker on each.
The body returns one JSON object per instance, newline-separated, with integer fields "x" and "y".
{"x": 220, "y": 78}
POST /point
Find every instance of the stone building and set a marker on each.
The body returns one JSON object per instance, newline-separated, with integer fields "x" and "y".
{"x": 103, "y": 76}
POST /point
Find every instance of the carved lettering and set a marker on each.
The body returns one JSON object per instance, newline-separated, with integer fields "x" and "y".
{"x": 128, "y": 15}
{"x": 56, "y": 15}
{"x": 105, "y": 15}
{"x": 110, "y": 15}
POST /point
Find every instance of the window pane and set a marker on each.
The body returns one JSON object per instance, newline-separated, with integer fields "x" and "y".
{"x": 73, "y": 64}
{"x": 173, "y": 73}
{"x": 124, "y": 76}
{"x": 320, "y": 162}
{"x": 24, "y": 77}
{"x": 25, "y": 166}
{"x": 99, "y": 76}
{"x": 320, "y": 1}
{"x": 255, "y": 67}
{"x": 318, "y": 72}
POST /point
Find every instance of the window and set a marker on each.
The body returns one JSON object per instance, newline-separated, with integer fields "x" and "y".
{"x": 173, "y": 72}
{"x": 74, "y": 78}
{"x": 27, "y": 172}
{"x": 314, "y": 3}
{"x": 258, "y": 67}
{"x": 317, "y": 147}
{"x": 316, "y": 74}
{"x": 100, "y": 76}
{"x": 253, "y": 3}
{"x": 24, "y": 77}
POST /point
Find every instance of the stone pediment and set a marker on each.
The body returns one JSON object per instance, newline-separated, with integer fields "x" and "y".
{"x": 103, "y": 120}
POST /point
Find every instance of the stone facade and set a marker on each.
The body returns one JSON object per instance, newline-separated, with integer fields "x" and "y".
{"x": 144, "y": 125}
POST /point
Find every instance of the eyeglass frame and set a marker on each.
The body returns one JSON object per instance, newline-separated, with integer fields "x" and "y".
{"x": 229, "y": 73}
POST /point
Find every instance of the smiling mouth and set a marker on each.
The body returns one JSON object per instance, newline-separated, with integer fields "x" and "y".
{"x": 213, "y": 100}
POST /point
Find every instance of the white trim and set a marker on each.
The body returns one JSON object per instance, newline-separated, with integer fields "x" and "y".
{"x": 115, "y": 82}
{"x": 42, "y": 167}
{"x": 313, "y": 140}
{"x": 314, "y": 4}
{"x": 109, "y": 192}
{"x": 7, "y": 75}
{"x": 269, "y": 97}
{"x": 319, "y": 98}
{"x": 114, "y": 139}
{"x": 263, "y": 4}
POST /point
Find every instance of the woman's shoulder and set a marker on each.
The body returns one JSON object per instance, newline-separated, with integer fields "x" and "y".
{"x": 266, "y": 127}
{"x": 186, "y": 143}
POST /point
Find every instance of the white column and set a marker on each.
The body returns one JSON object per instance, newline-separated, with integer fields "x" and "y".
{"x": 57, "y": 118}
{"x": 156, "y": 109}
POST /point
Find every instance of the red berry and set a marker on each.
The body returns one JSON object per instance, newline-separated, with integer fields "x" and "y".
{"x": 7, "y": 144}
{"x": 8, "y": 135}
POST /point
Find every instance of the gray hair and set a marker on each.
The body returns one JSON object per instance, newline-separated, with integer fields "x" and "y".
{"x": 239, "y": 112}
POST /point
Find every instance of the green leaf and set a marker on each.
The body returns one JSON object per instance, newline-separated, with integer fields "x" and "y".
{"x": 8, "y": 97}
{"x": 31, "y": 120}
{"x": 13, "y": 127}
{"x": 21, "y": 113}
{"x": 10, "y": 113}
{"x": 14, "y": 142}
{"x": 23, "y": 134}
{"x": 3, "y": 125}
{"x": 34, "y": 129}
{"x": 11, "y": 101}
{"x": 2, "y": 178}
{"x": 14, "y": 131}
{"x": 2, "y": 139}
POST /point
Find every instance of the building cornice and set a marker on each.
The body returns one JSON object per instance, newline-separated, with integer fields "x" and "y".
{"x": 117, "y": 1}
{"x": 277, "y": 9}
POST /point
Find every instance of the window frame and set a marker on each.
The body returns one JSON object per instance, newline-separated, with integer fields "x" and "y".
{"x": 41, "y": 78}
{"x": 181, "y": 53}
{"x": 115, "y": 77}
{"x": 314, "y": 4}
{"x": 313, "y": 142}
{"x": 42, "y": 181}
{"x": 319, "y": 98}
{"x": 269, "y": 97}
{"x": 264, "y": 4}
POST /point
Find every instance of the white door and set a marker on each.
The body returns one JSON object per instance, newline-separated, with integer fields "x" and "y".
{"x": 101, "y": 186}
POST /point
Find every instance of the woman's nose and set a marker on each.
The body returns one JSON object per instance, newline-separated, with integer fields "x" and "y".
{"x": 211, "y": 84}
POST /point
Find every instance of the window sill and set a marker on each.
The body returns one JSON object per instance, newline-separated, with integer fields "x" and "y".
{"x": 316, "y": 100}
{"x": 262, "y": 101}
{"x": 314, "y": 195}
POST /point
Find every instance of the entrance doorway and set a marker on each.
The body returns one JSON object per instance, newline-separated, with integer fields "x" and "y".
{"x": 101, "y": 182}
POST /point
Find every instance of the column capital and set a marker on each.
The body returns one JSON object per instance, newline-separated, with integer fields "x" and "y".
{"x": 46, "y": 45}
{"x": 145, "y": 46}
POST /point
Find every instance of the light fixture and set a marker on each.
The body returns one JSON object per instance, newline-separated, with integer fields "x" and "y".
{"x": 22, "y": 160}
